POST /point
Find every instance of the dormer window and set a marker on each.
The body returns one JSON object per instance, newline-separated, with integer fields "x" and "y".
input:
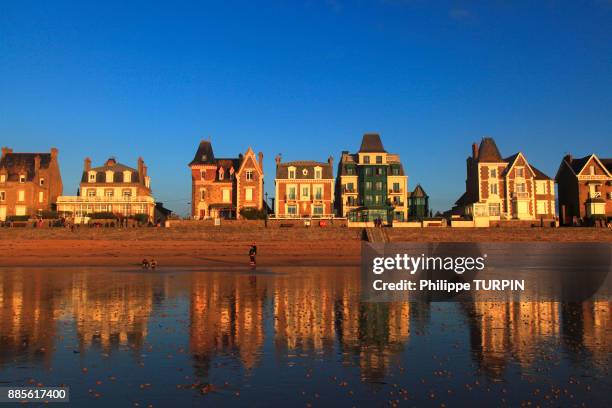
{"x": 109, "y": 176}
{"x": 291, "y": 172}
{"x": 41, "y": 182}
{"x": 127, "y": 176}
{"x": 22, "y": 178}
{"x": 92, "y": 177}
{"x": 305, "y": 172}
{"x": 379, "y": 160}
{"x": 221, "y": 173}
{"x": 318, "y": 173}
{"x": 204, "y": 157}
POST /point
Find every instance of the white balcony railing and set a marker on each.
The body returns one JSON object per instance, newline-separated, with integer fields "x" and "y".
{"x": 101, "y": 200}
{"x": 517, "y": 194}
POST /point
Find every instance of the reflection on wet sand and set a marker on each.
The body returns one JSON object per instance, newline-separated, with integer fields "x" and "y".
{"x": 300, "y": 312}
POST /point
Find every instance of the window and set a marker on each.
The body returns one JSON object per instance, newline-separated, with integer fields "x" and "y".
{"x": 203, "y": 195}
{"x": 377, "y": 199}
{"x": 366, "y": 159}
{"x": 592, "y": 170}
{"x": 493, "y": 173}
{"x": 520, "y": 187}
{"x": 541, "y": 207}
{"x": 318, "y": 174}
{"x": 540, "y": 187}
{"x": 520, "y": 172}
{"x": 396, "y": 187}
{"x": 22, "y": 178}
{"x": 318, "y": 193}
{"x": 2, "y": 196}
{"x": 494, "y": 209}
{"x": 110, "y": 176}
{"x": 202, "y": 174}
{"x": 249, "y": 175}
{"x": 368, "y": 199}
{"x": 380, "y": 171}
{"x": 378, "y": 159}
{"x": 368, "y": 185}
{"x": 395, "y": 171}
{"x": 379, "y": 186}
{"x": 368, "y": 171}
{"x": 291, "y": 193}
{"x": 222, "y": 174}
{"x": 351, "y": 201}
{"x": 305, "y": 192}
{"x": 493, "y": 188}
{"x": 21, "y": 195}
{"x": 249, "y": 194}
{"x": 41, "y": 197}
{"x": 349, "y": 187}
{"x": 91, "y": 192}
{"x": 20, "y": 210}
{"x": 226, "y": 195}
{"x": 305, "y": 172}
{"x": 109, "y": 193}
{"x": 350, "y": 171}
{"x": 317, "y": 210}
{"x": 3, "y": 178}
{"x": 92, "y": 177}
{"x": 41, "y": 181}
{"x": 291, "y": 173}
{"x": 127, "y": 193}
{"x": 291, "y": 209}
{"x": 127, "y": 176}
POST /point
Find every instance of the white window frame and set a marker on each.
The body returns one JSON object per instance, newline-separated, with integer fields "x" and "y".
{"x": 249, "y": 175}
{"x": 248, "y": 194}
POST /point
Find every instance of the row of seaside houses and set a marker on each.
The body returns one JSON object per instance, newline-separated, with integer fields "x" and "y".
{"x": 370, "y": 184}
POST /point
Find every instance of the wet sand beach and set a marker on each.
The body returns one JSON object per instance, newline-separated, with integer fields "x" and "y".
{"x": 228, "y": 246}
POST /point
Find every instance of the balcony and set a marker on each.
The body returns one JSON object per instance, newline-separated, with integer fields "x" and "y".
{"x": 349, "y": 191}
{"x": 395, "y": 191}
{"x": 104, "y": 199}
{"x": 520, "y": 195}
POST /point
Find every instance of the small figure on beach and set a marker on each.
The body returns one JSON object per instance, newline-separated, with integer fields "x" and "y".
{"x": 145, "y": 264}
{"x": 253, "y": 254}
{"x": 153, "y": 263}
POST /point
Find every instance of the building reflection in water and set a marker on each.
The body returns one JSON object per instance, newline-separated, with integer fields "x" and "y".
{"x": 304, "y": 312}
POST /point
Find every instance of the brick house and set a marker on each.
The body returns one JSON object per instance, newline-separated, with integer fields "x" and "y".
{"x": 304, "y": 189}
{"x": 111, "y": 188}
{"x": 29, "y": 183}
{"x": 222, "y": 187}
{"x": 584, "y": 188}
{"x": 505, "y": 188}
{"x": 371, "y": 184}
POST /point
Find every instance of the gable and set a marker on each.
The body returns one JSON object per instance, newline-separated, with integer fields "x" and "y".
{"x": 598, "y": 168}
{"x": 250, "y": 162}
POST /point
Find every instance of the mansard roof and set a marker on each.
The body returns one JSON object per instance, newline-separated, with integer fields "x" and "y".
{"x": 204, "y": 154}
{"x": 282, "y": 169}
{"x": 111, "y": 165}
{"x": 371, "y": 143}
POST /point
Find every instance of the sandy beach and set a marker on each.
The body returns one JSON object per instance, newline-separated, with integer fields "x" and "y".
{"x": 228, "y": 246}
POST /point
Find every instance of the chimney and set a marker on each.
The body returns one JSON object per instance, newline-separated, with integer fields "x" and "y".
{"x": 141, "y": 170}
{"x": 87, "y": 164}
{"x": 330, "y": 161}
{"x": 475, "y": 151}
{"x": 260, "y": 157}
{"x": 54, "y": 153}
{"x": 6, "y": 150}
{"x": 278, "y": 159}
{"x": 568, "y": 158}
{"x": 36, "y": 163}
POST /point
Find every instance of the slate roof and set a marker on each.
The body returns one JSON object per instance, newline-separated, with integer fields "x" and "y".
{"x": 539, "y": 175}
{"x": 18, "y": 163}
{"x": 117, "y": 169}
{"x": 204, "y": 154}
{"x": 282, "y": 169}
{"x": 371, "y": 143}
{"x": 578, "y": 163}
{"x": 418, "y": 192}
{"x": 488, "y": 151}
{"x": 607, "y": 163}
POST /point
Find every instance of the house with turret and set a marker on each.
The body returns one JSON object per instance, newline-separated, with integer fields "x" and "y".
{"x": 509, "y": 188}
{"x": 225, "y": 187}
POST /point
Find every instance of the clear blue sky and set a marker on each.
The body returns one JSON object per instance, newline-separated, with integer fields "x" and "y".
{"x": 305, "y": 79}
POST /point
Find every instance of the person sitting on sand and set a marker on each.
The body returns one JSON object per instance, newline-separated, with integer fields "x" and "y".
{"x": 145, "y": 264}
{"x": 153, "y": 263}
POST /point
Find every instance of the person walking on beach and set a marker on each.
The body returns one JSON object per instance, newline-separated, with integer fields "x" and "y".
{"x": 253, "y": 254}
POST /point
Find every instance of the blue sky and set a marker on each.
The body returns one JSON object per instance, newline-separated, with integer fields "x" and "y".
{"x": 305, "y": 79}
